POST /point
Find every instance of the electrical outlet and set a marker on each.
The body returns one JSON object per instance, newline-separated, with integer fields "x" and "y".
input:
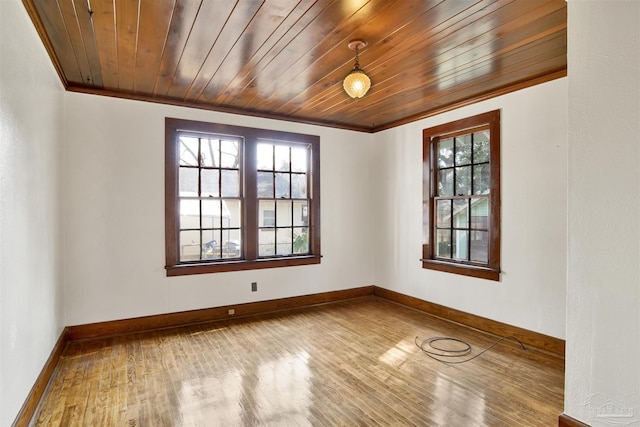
{"x": 254, "y": 286}
{"x": 232, "y": 312}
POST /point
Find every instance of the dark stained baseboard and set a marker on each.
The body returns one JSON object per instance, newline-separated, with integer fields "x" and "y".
{"x": 567, "y": 421}
{"x": 543, "y": 342}
{"x": 30, "y": 404}
{"x": 191, "y": 317}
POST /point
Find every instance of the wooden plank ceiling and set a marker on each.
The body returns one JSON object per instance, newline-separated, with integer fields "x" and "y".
{"x": 286, "y": 59}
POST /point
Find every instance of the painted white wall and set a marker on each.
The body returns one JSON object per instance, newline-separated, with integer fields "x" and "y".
{"x": 31, "y": 118}
{"x": 603, "y": 297}
{"x": 531, "y": 293}
{"x": 114, "y": 216}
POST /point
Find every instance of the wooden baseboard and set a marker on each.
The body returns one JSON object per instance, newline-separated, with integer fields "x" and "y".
{"x": 30, "y": 404}
{"x": 567, "y": 421}
{"x": 543, "y": 342}
{"x": 172, "y": 320}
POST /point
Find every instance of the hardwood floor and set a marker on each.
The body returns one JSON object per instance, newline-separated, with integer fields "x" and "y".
{"x": 348, "y": 363}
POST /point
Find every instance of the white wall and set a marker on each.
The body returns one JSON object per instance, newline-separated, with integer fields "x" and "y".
{"x": 31, "y": 117}
{"x": 531, "y": 293}
{"x": 114, "y": 216}
{"x": 603, "y": 297}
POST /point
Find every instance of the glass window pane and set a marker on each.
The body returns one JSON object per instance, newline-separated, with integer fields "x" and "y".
{"x": 460, "y": 244}
{"x": 461, "y": 213}
{"x": 481, "y": 146}
{"x": 443, "y": 215}
{"x": 267, "y": 213}
{"x": 209, "y": 152}
{"x": 231, "y": 243}
{"x": 480, "y": 213}
{"x": 443, "y": 243}
{"x": 189, "y": 245}
{"x": 283, "y": 213}
{"x": 480, "y": 246}
{"x": 189, "y": 214}
{"x": 301, "y": 240}
{"x": 211, "y": 214}
{"x": 463, "y": 150}
{"x": 266, "y": 242}
{"x": 298, "y": 186}
{"x": 282, "y": 158}
{"x": 284, "y": 241}
{"x": 481, "y": 179}
{"x": 463, "y": 181}
{"x": 230, "y": 185}
{"x": 265, "y": 185}
{"x": 300, "y": 213}
{"x": 232, "y": 213}
{"x": 229, "y": 157}
{"x": 445, "y": 183}
{"x": 210, "y": 185}
{"x": 265, "y": 157}
{"x": 188, "y": 182}
{"x": 445, "y": 153}
{"x": 283, "y": 185}
{"x": 188, "y": 151}
{"x": 211, "y": 244}
{"x": 299, "y": 159}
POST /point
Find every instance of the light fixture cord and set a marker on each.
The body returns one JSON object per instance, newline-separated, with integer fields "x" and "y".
{"x": 357, "y": 65}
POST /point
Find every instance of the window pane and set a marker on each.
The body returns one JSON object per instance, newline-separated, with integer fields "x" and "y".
{"x": 283, "y": 185}
{"x": 284, "y": 241}
{"x": 267, "y": 213}
{"x": 209, "y": 152}
{"x": 443, "y": 219}
{"x": 299, "y": 159}
{"x": 233, "y": 213}
{"x": 230, "y": 183}
{"x": 188, "y": 182}
{"x": 481, "y": 146}
{"x": 189, "y": 245}
{"x": 461, "y": 213}
{"x": 445, "y": 153}
{"x": 210, "y": 182}
{"x": 188, "y": 151}
{"x": 300, "y": 213}
{"x": 480, "y": 246}
{"x": 298, "y": 186}
{"x": 443, "y": 243}
{"x": 231, "y": 244}
{"x": 301, "y": 240}
{"x": 265, "y": 157}
{"x": 189, "y": 214}
{"x": 463, "y": 181}
{"x": 445, "y": 183}
{"x": 229, "y": 154}
{"x": 480, "y": 213}
{"x": 266, "y": 242}
{"x": 211, "y": 214}
{"x": 481, "y": 179}
{"x": 265, "y": 185}
{"x": 283, "y": 214}
{"x": 460, "y": 244}
{"x": 282, "y": 158}
{"x": 463, "y": 150}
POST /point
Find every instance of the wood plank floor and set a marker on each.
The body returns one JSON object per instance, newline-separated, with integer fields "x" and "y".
{"x": 342, "y": 364}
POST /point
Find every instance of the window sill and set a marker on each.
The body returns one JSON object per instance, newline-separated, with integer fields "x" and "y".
{"x": 240, "y": 265}
{"x": 463, "y": 269}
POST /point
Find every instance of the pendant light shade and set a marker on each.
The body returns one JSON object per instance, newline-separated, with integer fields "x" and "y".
{"x": 357, "y": 82}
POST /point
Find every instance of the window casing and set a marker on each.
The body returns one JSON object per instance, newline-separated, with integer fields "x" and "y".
{"x": 461, "y": 197}
{"x": 239, "y": 198}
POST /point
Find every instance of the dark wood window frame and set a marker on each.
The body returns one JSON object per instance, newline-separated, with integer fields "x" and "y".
{"x": 431, "y": 136}
{"x": 248, "y": 179}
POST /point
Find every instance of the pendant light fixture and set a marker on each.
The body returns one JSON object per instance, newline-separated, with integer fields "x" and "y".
{"x": 357, "y": 82}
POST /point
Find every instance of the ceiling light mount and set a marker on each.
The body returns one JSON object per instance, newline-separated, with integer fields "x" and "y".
{"x": 357, "y": 82}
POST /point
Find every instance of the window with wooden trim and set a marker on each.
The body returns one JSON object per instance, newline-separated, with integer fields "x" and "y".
{"x": 461, "y": 197}
{"x": 239, "y": 198}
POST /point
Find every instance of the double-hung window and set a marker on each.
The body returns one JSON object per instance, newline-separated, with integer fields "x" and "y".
{"x": 239, "y": 198}
{"x": 461, "y": 203}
